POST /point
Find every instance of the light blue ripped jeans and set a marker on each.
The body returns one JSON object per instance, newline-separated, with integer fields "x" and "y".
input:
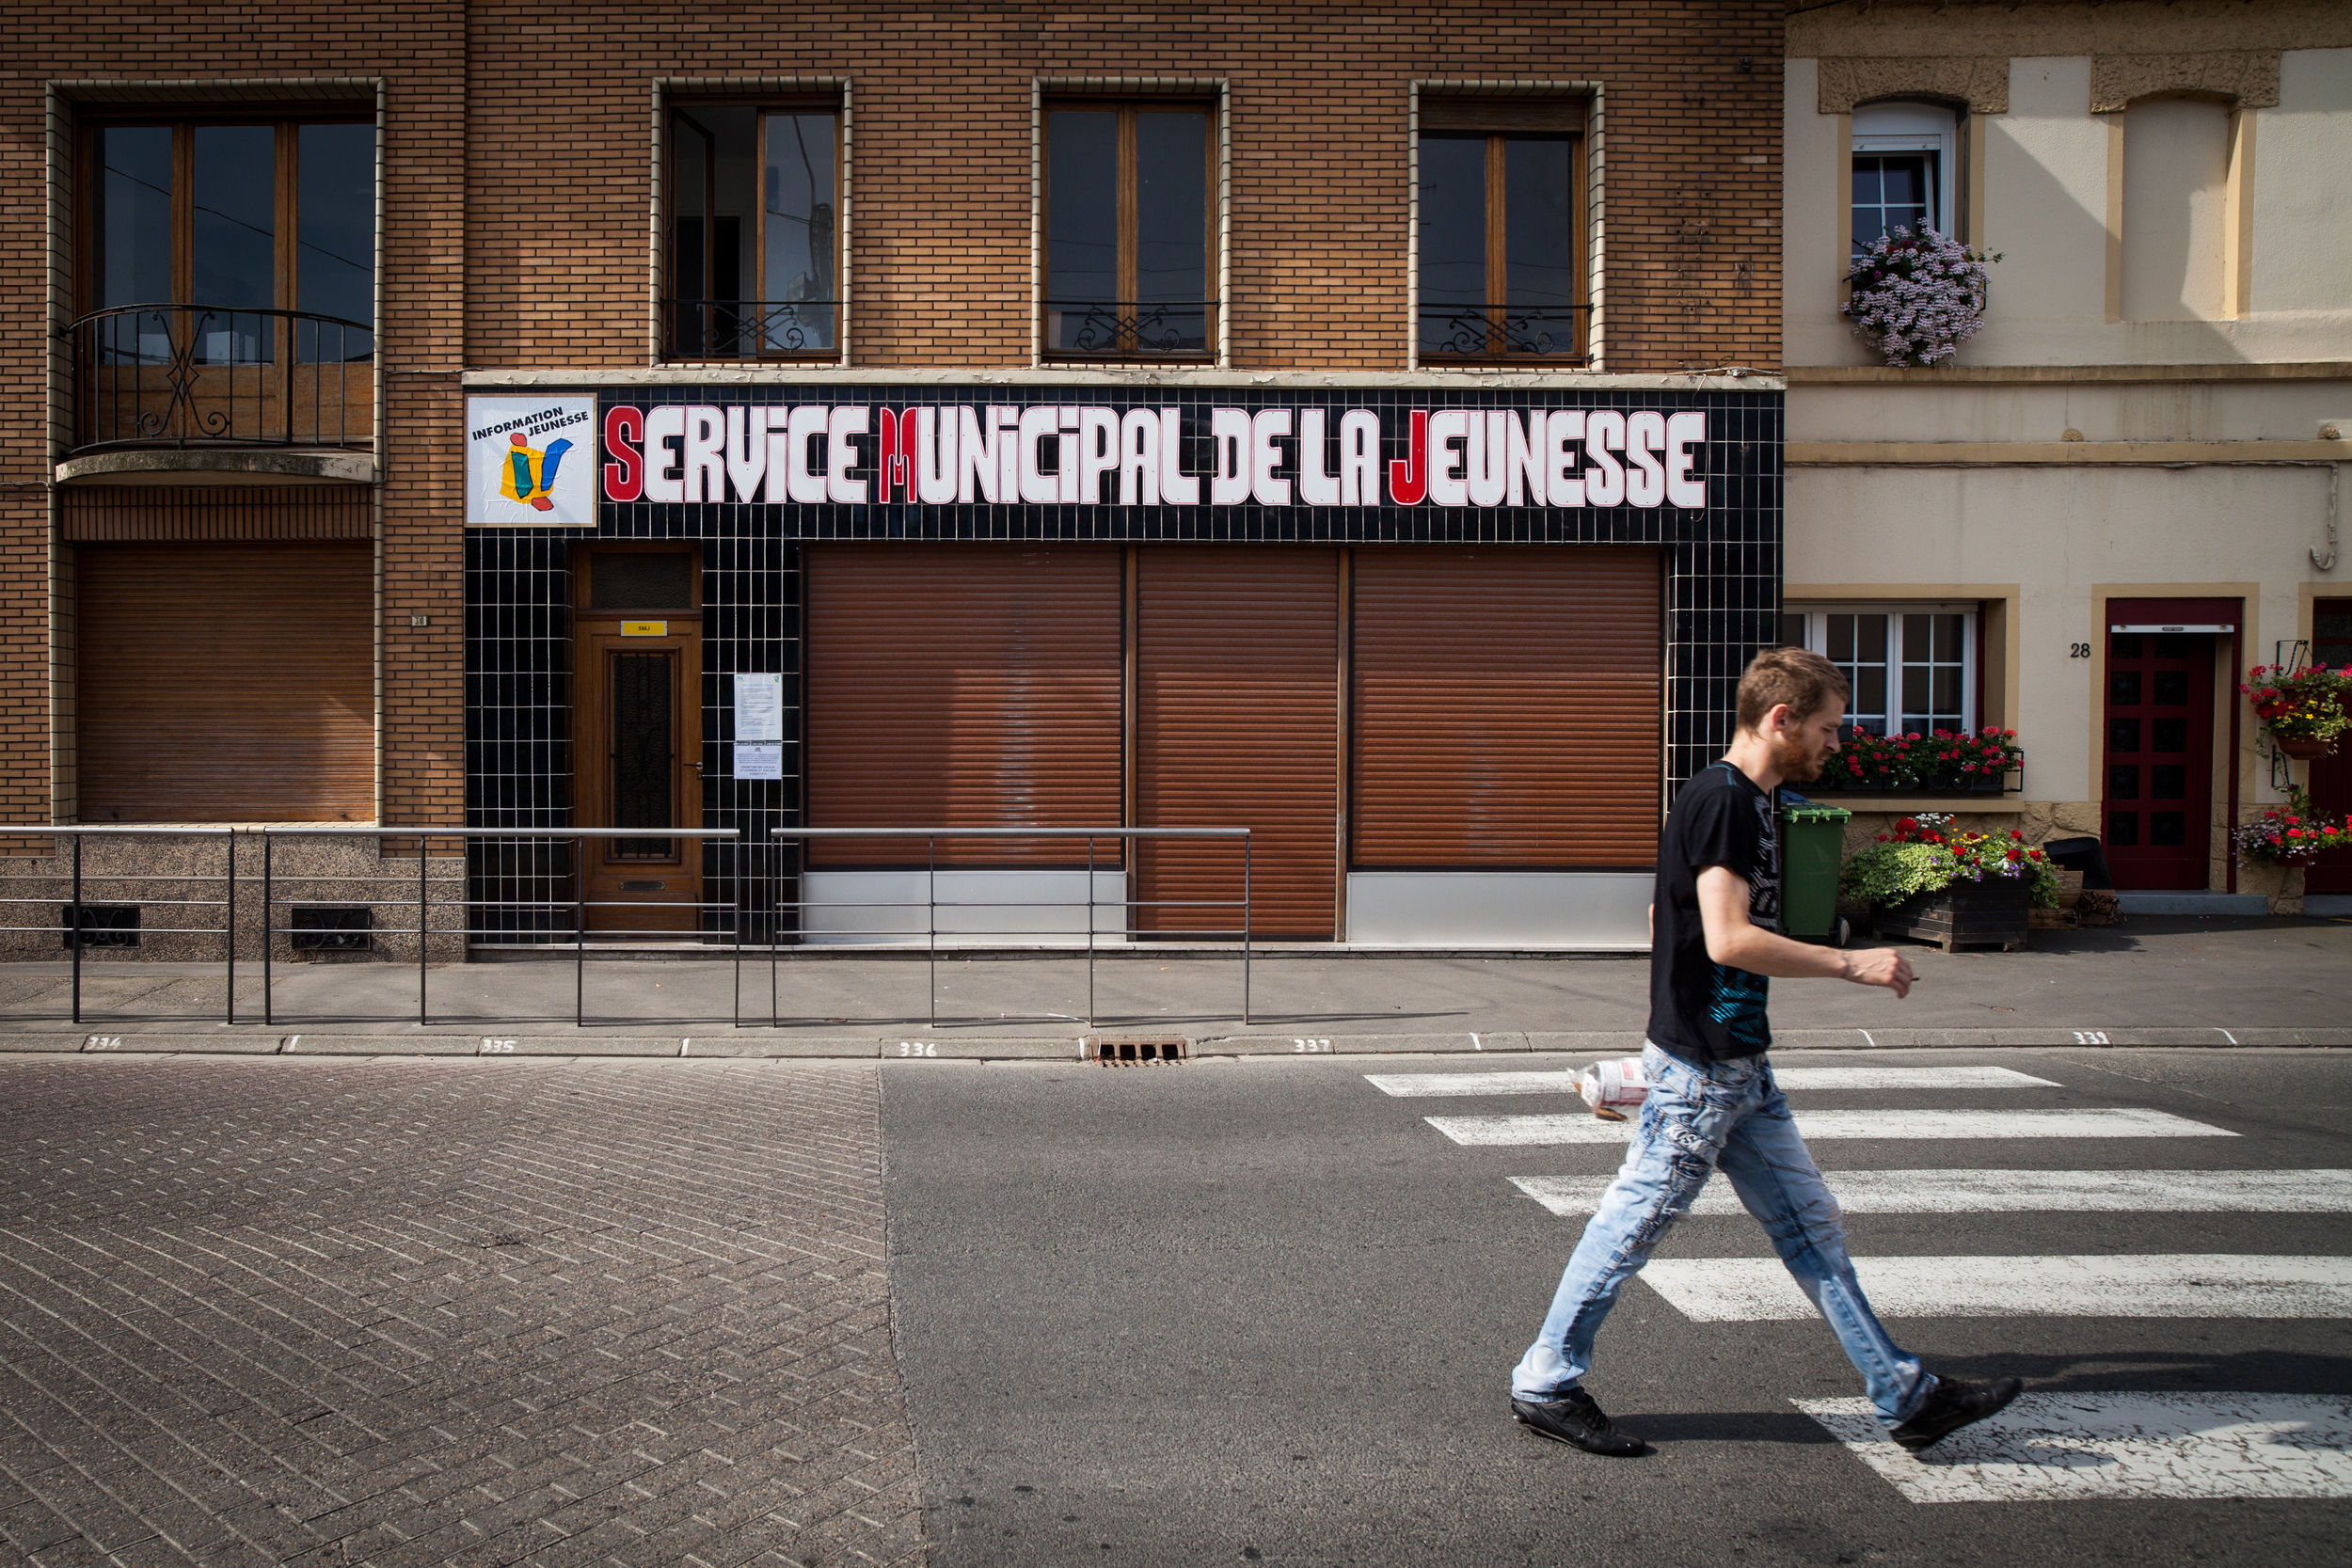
{"x": 1730, "y": 1115}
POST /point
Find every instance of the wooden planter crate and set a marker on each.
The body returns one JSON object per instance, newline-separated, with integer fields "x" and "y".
{"x": 1989, "y": 914}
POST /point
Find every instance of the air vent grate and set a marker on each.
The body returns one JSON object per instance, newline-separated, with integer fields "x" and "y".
{"x": 1137, "y": 1049}
{"x": 333, "y": 929}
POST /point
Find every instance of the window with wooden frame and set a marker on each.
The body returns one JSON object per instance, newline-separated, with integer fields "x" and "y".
{"x": 268, "y": 225}
{"x": 226, "y": 282}
{"x": 1500, "y": 225}
{"x": 1129, "y": 222}
{"x": 754, "y": 241}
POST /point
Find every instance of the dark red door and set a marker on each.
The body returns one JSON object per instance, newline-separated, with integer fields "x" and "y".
{"x": 2159, "y": 758}
{"x": 2331, "y": 776}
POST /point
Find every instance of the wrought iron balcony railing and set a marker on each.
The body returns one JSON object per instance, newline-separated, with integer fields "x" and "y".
{"x": 203, "y": 375}
{"x": 1130, "y": 329}
{"x": 751, "y": 328}
{"x": 1491, "y": 331}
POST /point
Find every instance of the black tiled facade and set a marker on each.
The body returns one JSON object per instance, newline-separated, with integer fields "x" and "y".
{"x": 1722, "y": 591}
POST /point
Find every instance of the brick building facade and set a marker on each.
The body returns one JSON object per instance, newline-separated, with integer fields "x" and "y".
{"x": 528, "y": 242}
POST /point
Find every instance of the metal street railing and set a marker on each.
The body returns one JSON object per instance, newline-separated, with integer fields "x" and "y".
{"x": 578, "y": 904}
{"x": 561, "y": 919}
{"x": 78, "y": 928}
{"x": 931, "y": 904}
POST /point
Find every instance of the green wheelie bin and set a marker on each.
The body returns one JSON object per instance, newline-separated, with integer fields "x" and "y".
{"x": 1812, "y": 851}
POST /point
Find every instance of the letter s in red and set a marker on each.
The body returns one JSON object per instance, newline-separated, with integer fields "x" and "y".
{"x": 624, "y": 439}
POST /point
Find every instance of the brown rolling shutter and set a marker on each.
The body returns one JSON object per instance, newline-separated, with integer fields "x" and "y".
{"x": 964, "y": 685}
{"x": 226, "y": 682}
{"x": 1237, "y": 725}
{"x": 1506, "y": 707}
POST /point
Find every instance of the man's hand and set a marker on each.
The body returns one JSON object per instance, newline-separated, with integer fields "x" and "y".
{"x": 1881, "y": 966}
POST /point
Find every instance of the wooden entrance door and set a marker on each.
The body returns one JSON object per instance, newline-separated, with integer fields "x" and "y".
{"x": 2159, "y": 759}
{"x": 2331, "y": 776}
{"x": 637, "y": 739}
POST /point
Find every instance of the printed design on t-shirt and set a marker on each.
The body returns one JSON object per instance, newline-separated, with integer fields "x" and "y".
{"x": 1735, "y": 999}
{"x": 1764, "y": 875}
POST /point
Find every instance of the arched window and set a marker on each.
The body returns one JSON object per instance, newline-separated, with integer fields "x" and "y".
{"x": 1905, "y": 163}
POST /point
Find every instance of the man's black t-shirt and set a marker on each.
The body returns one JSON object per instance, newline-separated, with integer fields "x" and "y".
{"x": 1699, "y": 1009}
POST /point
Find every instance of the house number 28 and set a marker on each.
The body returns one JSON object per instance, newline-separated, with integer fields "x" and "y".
{"x": 2079, "y": 650}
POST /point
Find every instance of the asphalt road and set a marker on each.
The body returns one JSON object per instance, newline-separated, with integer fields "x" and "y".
{"x": 1261, "y": 1310}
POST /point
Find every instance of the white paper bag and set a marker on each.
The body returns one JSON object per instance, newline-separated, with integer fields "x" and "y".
{"x": 1614, "y": 1088}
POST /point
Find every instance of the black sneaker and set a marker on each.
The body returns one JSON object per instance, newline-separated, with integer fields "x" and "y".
{"x": 1952, "y": 1404}
{"x": 1573, "y": 1419}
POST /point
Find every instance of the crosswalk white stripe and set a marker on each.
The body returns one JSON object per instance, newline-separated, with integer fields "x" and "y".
{"x": 2151, "y": 1285}
{"x": 2121, "y": 1122}
{"x": 1406, "y": 1084}
{"x": 2010, "y": 1192}
{"x": 2055, "y": 1447}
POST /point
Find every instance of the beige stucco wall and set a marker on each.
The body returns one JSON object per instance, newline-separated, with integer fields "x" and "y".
{"x": 2063, "y": 535}
{"x": 2052, "y": 187}
{"x": 2300, "y": 184}
{"x": 1896, "y": 483}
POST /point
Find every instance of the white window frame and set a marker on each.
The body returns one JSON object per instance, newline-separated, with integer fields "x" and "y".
{"x": 1910, "y": 127}
{"x": 1971, "y": 627}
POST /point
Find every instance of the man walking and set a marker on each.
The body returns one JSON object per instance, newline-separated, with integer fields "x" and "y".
{"x": 1715, "y": 923}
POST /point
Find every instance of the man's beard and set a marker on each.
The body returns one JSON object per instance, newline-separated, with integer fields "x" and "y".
{"x": 1797, "y": 762}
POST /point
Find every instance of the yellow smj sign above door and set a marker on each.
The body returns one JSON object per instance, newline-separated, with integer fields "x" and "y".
{"x": 644, "y": 629}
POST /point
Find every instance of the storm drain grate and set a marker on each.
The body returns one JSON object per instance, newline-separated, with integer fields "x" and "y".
{"x": 1136, "y": 1049}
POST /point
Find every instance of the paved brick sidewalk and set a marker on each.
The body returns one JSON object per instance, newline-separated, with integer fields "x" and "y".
{"x": 403, "y": 1312}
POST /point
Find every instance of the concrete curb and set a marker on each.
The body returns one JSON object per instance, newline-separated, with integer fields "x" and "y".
{"x": 916, "y": 1044}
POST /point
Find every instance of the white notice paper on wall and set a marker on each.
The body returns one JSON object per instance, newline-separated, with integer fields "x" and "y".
{"x": 758, "y": 759}
{"x": 758, "y": 710}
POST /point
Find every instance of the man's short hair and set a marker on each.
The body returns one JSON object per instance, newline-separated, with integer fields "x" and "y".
{"x": 1805, "y": 681}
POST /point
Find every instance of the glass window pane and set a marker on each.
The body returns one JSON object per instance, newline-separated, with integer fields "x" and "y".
{"x": 1453, "y": 241}
{"x": 1918, "y": 644}
{"x": 1841, "y": 638}
{"x": 689, "y": 260}
{"x": 1870, "y": 637}
{"x": 335, "y": 238}
{"x": 2123, "y": 688}
{"x": 1946, "y": 694}
{"x": 1082, "y": 206}
{"x": 2168, "y": 829}
{"x": 2172, "y": 734}
{"x": 2171, "y": 688}
{"x": 1869, "y": 691}
{"x": 131, "y": 222}
{"x": 803, "y": 242}
{"x": 1793, "y": 631}
{"x": 1171, "y": 207}
{"x": 1891, "y": 191}
{"x": 2168, "y": 781}
{"x": 2126, "y": 644}
{"x": 1914, "y": 694}
{"x": 2124, "y": 828}
{"x": 235, "y": 257}
{"x": 1539, "y": 241}
{"x": 2123, "y": 782}
{"x": 735, "y": 181}
{"x": 1171, "y": 229}
{"x": 2123, "y": 735}
{"x": 1947, "y": 639}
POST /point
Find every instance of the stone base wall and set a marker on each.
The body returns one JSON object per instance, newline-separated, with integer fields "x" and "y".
{"x": 182, "y": 886}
